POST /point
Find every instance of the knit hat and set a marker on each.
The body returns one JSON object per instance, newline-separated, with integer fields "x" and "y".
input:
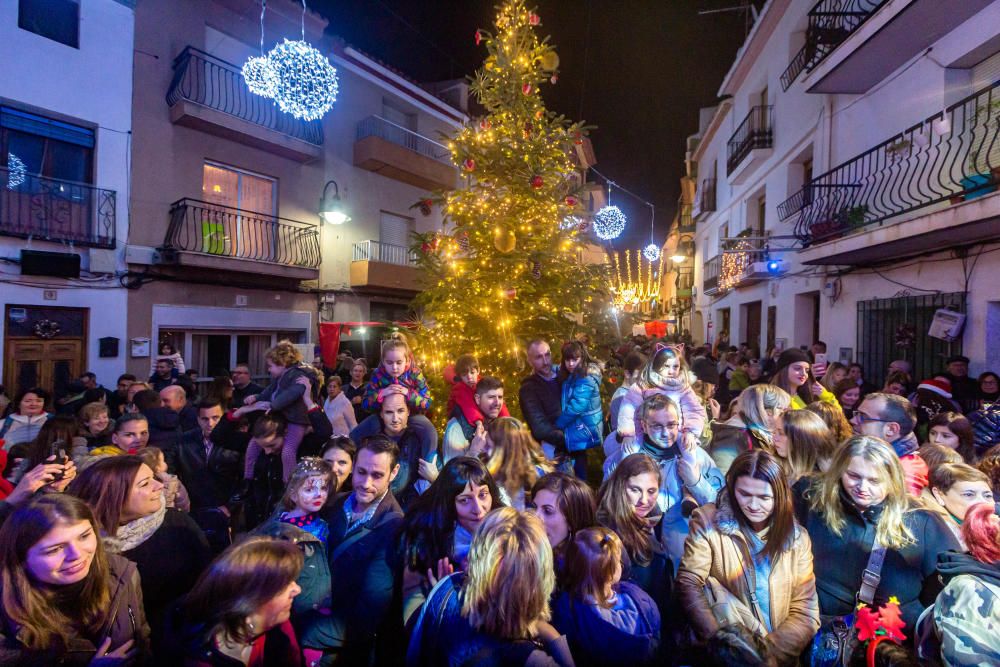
{"x": 792, "y": 356}
{"x": 956, "y": 357}
{"x": 938, "y": 385}
{"x": 705, "y": 370}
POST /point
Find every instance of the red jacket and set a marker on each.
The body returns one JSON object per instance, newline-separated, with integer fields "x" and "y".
{"x": 464, "y": 397}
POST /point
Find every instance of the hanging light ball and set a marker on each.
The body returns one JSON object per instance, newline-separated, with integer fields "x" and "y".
{"x": 306, "y": 85}
{"x": 16, "y": 171}
{"x": 609, "y": 223}
{"x": 260, "y": 77}
{"x": 651, "y": 252}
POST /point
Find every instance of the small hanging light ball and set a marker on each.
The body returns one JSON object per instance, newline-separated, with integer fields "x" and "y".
{"x": 260, "y": 76}
{"x": 651, "y": 252}
{"x": 306, "y": 84}
{"x": 609, "y": 223}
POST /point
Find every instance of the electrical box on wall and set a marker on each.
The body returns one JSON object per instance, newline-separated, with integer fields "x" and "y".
{"x": 946, "y": 325}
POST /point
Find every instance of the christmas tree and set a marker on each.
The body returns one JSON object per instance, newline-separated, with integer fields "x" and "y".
{"x": 508, "y": 270}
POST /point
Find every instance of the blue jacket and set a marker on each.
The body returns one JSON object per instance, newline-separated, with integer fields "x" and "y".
{"x": 582, "y": 421}
{"x": 598, "y": 642}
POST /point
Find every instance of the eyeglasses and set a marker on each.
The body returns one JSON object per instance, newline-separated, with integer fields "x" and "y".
{"x": 662, "y": 428}
{"x": 862, "y": 418}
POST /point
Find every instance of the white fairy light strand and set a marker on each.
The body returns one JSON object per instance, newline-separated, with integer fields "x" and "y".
{"x": 16, "y": 171}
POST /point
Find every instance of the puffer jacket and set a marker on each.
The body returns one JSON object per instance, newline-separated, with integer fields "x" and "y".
{"x": 19, "y": 429}
{"x": 582, "y": 421}
{"x": 717, "y": 548}
{"x": 126, "y": 621}
{"x": 285, "y": 394}
{"x": 693, "y": 414}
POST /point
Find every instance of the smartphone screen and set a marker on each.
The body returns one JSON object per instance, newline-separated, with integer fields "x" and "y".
{"x": 821, "y": 359}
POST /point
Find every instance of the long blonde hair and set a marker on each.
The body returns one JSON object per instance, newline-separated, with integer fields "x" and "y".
{"x": 754, "y": 403}
{"x": 510, "y": 576}
{"x": 515, "y": 456}
{"x": 891, "y": 530}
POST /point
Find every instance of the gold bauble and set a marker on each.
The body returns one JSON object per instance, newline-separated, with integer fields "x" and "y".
{"x": 550, "y": 61}
{"x": 504, "y": 239}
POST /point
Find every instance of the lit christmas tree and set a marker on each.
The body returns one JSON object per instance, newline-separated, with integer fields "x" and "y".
{"x": 509, "y": 270}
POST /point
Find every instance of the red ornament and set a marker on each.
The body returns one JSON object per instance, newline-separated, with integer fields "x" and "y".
{"x": 484, "y": 124}
{"x": 469, "y": 164}
{"x": 571, "y": 201}
{"x": 479, "y": 37}
{"x": 534, "y": 19}
{"x": 537, "y": 182}
{"x": 510, "y": 293}
{"x": 526, "y": 89}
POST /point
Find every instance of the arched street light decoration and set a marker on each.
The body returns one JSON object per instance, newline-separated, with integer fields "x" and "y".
{"x": 297, "y": 76}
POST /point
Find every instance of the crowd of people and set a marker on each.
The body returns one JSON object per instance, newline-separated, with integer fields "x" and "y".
{"x": 656, "y": 505}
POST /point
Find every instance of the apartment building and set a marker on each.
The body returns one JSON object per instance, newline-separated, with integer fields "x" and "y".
{"x": 65, "y": 124}
{"x": 228, "y": 251}
{"x": 847, "y": 183}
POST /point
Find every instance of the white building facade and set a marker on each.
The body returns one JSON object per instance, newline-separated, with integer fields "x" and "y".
{"x": 847, "y": 184}
{"x": 65, "y": 135}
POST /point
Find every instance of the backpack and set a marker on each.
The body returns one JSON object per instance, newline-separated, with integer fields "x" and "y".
{"x": 986, "y": 427}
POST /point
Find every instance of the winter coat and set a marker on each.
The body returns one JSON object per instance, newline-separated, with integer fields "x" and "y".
{"x": 673, "y": 491}
{"x": 541, "y": 405}
{"x": 826, "y": 397}
{"x": 442, "y": 637}
{"x": 285, "y": 394}
{"x": 18, "y": 429}
{"x": 463, "y": 397}
{"x": 340, "y": 412}
{"x": 582, "y": 421}
{"x": 716, "y": 547}
{"x": 165, "y": 428}
{"x": 126, "y": 621}
{"x": 915, "y": 470}
{"x": 188, "y": 646}
{"x": 364, "y": 563}
{"x": 693, "y": 414}
{"x": 908, "y": 573}
{"x": 418, "y": 396}
{"x": 730, "y": 439}
{"x": 308, "y": 606}
{"x": 598, "y": 641}
{"x": 962, "y": 627}
{"x": 240, "y": 394}
{"x": 210, "y": 478}
{"x": 169, "y": 562}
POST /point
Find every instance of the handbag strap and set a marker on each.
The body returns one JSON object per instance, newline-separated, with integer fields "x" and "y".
{"x": 872, "y": 575}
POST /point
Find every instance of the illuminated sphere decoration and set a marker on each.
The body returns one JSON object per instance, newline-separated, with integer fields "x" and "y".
{"x": 609, "y": 223}
{"x": 16, "y": 171}
{"x": 306, "y": 83}
{"x": 260, "y": 76}
{"x": 651, "y": 252}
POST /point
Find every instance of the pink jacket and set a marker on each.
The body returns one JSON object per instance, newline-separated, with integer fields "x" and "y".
{"x": 692, "y": 411}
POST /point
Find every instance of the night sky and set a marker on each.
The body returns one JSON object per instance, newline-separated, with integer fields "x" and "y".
{"x": 637, "y": 69}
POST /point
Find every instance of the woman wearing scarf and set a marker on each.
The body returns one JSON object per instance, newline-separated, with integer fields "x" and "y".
{"x": 166, "y": 545}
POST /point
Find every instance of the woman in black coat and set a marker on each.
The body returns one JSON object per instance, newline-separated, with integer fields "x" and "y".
{"x": 166, "y": 545}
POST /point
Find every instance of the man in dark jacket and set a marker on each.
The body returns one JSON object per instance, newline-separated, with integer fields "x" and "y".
{"x": 964, "y": 390}
{"x": 364, "y": 562}
{"x": 243, "y": 385}
{"x": 541, "y": 399}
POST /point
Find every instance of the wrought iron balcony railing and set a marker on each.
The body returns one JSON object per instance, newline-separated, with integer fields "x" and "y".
{"x": 710, "y": 275}
{"x": 212, "y": 82}
{"x": 210, "y": 229}
{"x": 376, "y": 251}
{"x": 953, "y": 155}
{"x": 685, "y": 223}
{"x": 376, "y": 126}
{"x": 756, "y": 131}
{"x": 50, "y": 209}
{"x": 830, "y": 23}
{"x": 706, "y": 195}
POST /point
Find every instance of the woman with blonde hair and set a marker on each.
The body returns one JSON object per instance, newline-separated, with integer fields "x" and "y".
{"x": 499, "y": 607}
{"x": 514, "y": 460}
{"x": 835, "y": 373}
{"x": 860, "y": 504}
{"x": 833, "y": 416}
{"x": 752, "y": 425}
{"x": 238, "y": 611}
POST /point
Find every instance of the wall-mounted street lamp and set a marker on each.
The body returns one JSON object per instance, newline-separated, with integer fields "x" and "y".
{"x": 331, "y": 209}
{"x": 684, "y": 251}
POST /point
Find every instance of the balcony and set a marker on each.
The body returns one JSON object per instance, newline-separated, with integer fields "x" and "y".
{"x": 49, "y": 209}
{"x": 744, "y": 260}
{"x": 859, "y": 43}
{"x": 685, "y": 222}
{"x": 830, "y": 23}
{"x": 396, "y": 152}
{"x": 710, "y": 277}
{"x": 208, "y": 94}
{"x": 751, "y": 143}
{"x": 216, "y": 237}
{"x": 381, "y": 267}
{"x": 704, "y": 202}
{"x": 929, "y": 187}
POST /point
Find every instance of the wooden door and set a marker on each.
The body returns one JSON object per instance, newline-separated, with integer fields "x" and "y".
{"x": 753, "y": 325}
{"x": 49, "y": 364}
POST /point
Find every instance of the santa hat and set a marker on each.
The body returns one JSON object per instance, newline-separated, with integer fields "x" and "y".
{"x": 938, "y": 385}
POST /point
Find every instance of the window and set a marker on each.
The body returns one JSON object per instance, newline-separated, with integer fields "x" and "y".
{"x": 58, "y": 20}
{"x": 40, "y": 146}
{"x": 395, "y": 230}
{"x": 388, "y": 312}
{"x": 240, "y": 189}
